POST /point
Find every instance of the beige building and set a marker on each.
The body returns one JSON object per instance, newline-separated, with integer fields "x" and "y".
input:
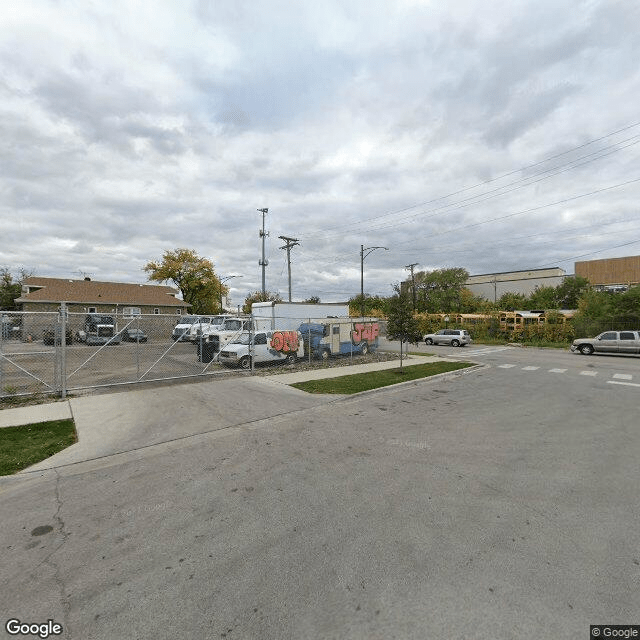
{"x": 491, "y": 286}
{"x": 611, "y": 273}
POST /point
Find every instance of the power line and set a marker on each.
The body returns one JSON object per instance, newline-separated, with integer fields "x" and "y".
{"x": 499, "y": 191}
{"x": 340, "y": 258}
{"x": 491, "y": 180}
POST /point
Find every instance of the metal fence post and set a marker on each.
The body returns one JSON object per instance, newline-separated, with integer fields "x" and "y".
{"x": 251, "y": 346}
{"x": 2, "y": 323}
{"x": 63, "y": 351}
{"x": 138, "y": 348}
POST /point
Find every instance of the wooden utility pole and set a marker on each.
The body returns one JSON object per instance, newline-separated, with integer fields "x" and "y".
{"x": 290, "y": 242}
{"x": 413, "y": 283}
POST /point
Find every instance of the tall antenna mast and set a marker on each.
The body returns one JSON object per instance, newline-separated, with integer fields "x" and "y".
{"x": 263, "y": 262}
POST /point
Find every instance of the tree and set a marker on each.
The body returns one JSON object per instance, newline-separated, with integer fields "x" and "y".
{"x": 257, "y": 296}
{"x": 512, "y": 301}
{"x": 192, "y": 275}
{"x": 568, "y": 294}
{"x": 11, "y": 288}
{"x": 543, "y": 298}
{"x": 313, "y": 300}
{"x": 373, "y": 305}
{"x": 439, "y": 291}
{"x": 402, "y": 324}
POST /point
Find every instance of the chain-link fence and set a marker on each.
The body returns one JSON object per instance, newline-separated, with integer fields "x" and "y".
{"x": 59, "y": 352}
{"x": 52, "y": 353}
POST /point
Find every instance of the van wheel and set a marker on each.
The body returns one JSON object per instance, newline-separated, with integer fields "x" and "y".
{"x": 586, "y": 349}
{"x": 245, "y": 362}
{"x": 324, "y": 354}
{"x": 364, "y": 349}
{"x": 455, "y": 343}
{"x": 291, "y": 358}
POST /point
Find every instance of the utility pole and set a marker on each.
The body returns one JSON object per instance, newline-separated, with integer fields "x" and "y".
{"x": 413, "y": 283}
{"x": 290, "y": 242}
{"x": 263, "y": 262}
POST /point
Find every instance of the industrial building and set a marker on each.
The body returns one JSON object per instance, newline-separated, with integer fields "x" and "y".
{"x": 491, "y": 286}
{"x": 614, "y": 274}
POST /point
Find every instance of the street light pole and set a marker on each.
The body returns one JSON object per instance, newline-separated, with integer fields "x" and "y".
{"x": 223, "y": 280}
{"x": 363, "y": 255}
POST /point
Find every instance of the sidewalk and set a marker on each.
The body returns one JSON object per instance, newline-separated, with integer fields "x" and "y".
{"x": 62, "y": 410}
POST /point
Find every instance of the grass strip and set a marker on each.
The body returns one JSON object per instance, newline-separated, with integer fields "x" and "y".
{"x": 25, "y": 445}
{"x": 375, "y": 379}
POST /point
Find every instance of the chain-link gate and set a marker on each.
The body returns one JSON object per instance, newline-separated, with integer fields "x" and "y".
{"x": 52, "y": 353}
{"x": 58, "y": 352}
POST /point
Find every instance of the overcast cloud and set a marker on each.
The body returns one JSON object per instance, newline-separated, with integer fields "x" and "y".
{"x": 492, "y": 136}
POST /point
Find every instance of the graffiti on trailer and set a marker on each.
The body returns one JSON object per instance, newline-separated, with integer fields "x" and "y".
{"x": 365, "y": 331}
{"x": 285, "y": 341}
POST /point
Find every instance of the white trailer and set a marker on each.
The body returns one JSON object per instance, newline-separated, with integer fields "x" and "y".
{"x": 288, "y": 316}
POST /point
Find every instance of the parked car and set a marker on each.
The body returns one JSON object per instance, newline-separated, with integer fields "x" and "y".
{"x": 608, "y": 342}
{"x": 52, "y": 335}
{"x": 134, "y": 335}
{"x": 452, "y": 337}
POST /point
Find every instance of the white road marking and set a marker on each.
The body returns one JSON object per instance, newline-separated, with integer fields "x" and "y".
{"x": 588, "y": 373}
{"x": 623, "y": 376}
{"x": 506, "y": 366}
{"x": 557, "y": 370}
{"x": 482, "y": 352}
{"x": 628, "y": 384}
{"x": 530, "y": 368}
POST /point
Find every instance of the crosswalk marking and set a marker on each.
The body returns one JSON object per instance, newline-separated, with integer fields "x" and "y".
{"x": 557, "y": 370}
{"x": 506, "y": 366}
{"x": 530, "y": 368}
{"x": 588, "y": 373}
{"x": 623, "y": 376}
{"x": 482, "y": 352}
{"x": 627, "y": 384}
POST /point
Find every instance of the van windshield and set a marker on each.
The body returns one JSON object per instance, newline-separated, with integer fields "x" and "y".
{"x": 189, "y": 320}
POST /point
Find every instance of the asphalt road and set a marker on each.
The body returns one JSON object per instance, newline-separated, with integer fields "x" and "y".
{"x": 499, "y": 504}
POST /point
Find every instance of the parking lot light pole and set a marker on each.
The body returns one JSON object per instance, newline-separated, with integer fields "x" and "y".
{"x": 363, "y": 255}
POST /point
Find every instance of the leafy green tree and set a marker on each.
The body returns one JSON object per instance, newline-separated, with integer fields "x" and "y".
{"x": 193, "y": 275}
{"x": 11, "y": 288}
{"x": 468, "y": 303}
{"x": 543, "y": 298}
{"x": 402, "y": 324}
{"x": 568, "y": 294}
{"x": 440, "y": 291}
{"x": 512, "y": 301}
{"x": 257, "y": 296}
{"x": 627, "y": 303}
{"x": 313, "y": 300}
{"x": 372, "y": 305}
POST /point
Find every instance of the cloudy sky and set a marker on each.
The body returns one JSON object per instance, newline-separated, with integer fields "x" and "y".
{"x": 494, "y": 136}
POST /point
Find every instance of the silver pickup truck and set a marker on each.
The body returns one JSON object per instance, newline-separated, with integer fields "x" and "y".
{"x": 609, "y": 342}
